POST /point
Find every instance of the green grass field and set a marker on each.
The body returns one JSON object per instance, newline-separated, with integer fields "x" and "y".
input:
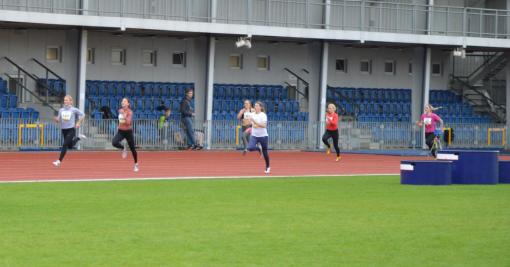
{"x": 332, "y": 221}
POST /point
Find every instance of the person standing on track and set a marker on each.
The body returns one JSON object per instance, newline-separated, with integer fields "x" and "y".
{"x": 429, "y": 119}
{"x": 187, "y": 115}
{"x": 259, "y": 133}
{"x": 125, "y": 131}
{"x": 67, "y": 118}
{"x": 244, "y": 116}
{"x": 331, "y": 130}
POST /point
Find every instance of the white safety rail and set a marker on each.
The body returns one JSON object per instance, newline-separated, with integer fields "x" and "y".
{"x": 353, "y": 15}
{"x": 226, "y": 135}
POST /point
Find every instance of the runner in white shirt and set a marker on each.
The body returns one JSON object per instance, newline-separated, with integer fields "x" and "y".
{"x": 259, "y": 133}
{"x": 67, "y": 119}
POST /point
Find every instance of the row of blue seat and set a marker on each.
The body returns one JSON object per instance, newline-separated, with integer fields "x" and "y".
{"x": 240, "y": 92}
{"x": 384, "y": 118}
{"x": 137, "y": 103}
{"x": 3, "y": 86}
{"x": 137, "y": 89}
{"x": 8, "y": 101}
{"x": 149, "y": 115}
{"x": 443, "y": 96}
{"x": 273, "y": 116}
{"x": 56, "y": 87}
{"x": 346, "y": 108}
{"x": 271, "y": 106}
{"x": 17, "y": 113}
{"x": 370, "y": 94}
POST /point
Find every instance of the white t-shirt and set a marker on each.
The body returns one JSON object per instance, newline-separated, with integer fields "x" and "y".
{"x": 260, "y": 118}
{"x": 122, "y": 118}
{"x": 248, "y": 114}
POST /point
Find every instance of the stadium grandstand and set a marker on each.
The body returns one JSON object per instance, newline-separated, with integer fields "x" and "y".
{"x": 378, "y": 61}
{"x": 198, "y": 133}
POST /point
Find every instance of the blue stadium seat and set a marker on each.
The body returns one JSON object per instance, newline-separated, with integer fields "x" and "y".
{"x": 4, "y": 101}
{"x": 147, "y": 89}
{"x": 280, "y": 107}
{"x": 13, "y": 101}
{"x": 148, "y": 104}
{"x": 181, "y": 88}
{"x": 165, "y": 90}
{"x": 238, "y": 93}
{"x": 157, "y": 89}
{"x": 175, "y": 106}
{"x": 138, "y": 91}
{"x": 262, "y": 93}
{"x": 295, "y": 106}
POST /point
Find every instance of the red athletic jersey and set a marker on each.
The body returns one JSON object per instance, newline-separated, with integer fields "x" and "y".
{"x": 125, "y": 119}
{"x": 331, "y": 121}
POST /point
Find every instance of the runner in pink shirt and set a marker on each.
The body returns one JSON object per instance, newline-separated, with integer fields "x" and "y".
{"x": 429, "y": 119}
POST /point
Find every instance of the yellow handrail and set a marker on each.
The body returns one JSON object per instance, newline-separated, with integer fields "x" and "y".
{"x": 490, "y": 130}
{"x": 30, "y": 126}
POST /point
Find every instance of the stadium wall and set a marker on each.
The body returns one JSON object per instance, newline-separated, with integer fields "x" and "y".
{"x": 21, "y": 45}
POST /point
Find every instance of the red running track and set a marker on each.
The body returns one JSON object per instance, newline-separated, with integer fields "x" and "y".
{"x": 36, "y": 166}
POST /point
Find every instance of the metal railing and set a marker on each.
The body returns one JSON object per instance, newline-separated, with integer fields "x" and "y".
{"x": 283, "y": 135}
{"x": 356, "y": 15}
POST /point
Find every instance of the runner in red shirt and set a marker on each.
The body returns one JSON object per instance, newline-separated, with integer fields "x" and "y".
{"x": 331, "y": 130}
{"x": 125, "y": 131}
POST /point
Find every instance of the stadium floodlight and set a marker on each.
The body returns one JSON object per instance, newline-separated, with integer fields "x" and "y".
{"x": 459, "y": 52}
{"x": 244, "y": 42}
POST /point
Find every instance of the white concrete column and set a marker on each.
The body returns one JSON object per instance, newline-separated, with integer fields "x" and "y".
{"x": 84, "y": 7}
{"x": 430, "y": 17}
{"x": 327, "y": 13}
{"x": 426, "y": 84}
{"x": 210, "y": 87}
{"x": 418, "y": 70}
{"x": 212, "y": 12}
{"x": 507, "y": 69}
{"x": 82, "y": 69}
{"x": 323, "y": 89}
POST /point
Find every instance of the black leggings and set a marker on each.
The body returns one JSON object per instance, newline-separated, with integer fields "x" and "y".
{"x": 429, "y": 139}
{"x": 331, "y": 134}
{"x": 70, "y": 141}
{"x": 128, "y": 135}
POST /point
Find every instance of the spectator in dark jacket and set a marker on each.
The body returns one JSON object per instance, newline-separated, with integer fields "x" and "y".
{"x": 107, "y": 113}
{"x": 187, "y": 115}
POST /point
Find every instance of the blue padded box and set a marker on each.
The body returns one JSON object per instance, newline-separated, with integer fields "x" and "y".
{"x": 504, "y": 171}
{"x": 426, "y": 172}
{"x": 472, "y": 166}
